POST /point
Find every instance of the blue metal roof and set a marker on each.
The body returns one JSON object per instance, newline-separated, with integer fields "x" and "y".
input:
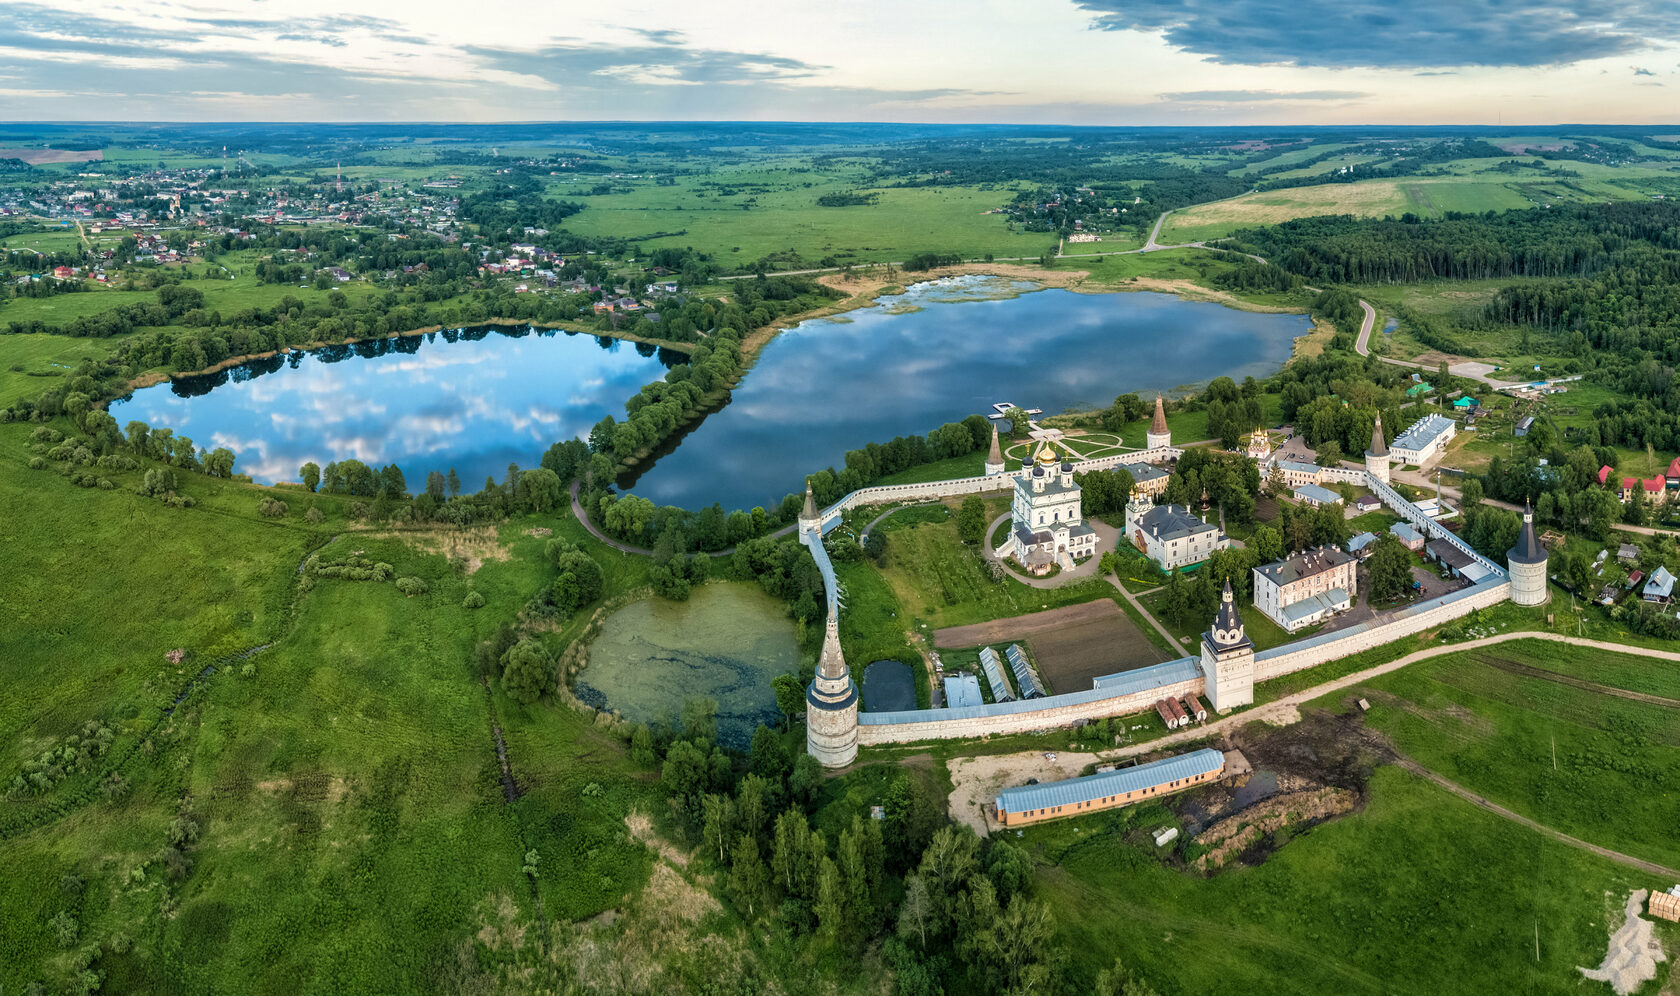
{"x": 1324, "y": 496}
{"x": 962, "y": 690}
{"x": 1110, "y": 686}
{"x": 1074, "y": 791}
{"x": 1001, "y": 692}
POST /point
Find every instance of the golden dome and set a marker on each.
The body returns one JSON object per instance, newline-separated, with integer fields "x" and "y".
{"x": 1046, "y": 454}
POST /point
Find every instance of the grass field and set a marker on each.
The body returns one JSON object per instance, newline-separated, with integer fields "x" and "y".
{"x": 1466, "y": 187}
{"x": 745, "y": 214}
{"x": 1453, "y": 906}
{"x": 1586, "y": 763}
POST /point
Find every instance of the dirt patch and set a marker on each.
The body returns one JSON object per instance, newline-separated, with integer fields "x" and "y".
{"x": 1070, "y": 645}
{"x": 976, "y": 781}
{"x": 1634, "y": 952}
{"x": 312, "y": 787}
{"x": 469, "y": 548}
{"x": 641, "y": 828}
{"x": 40, "y": 157}
{"x": 1196, "y": 292}
{"x": 539, "y": 531}
{"x": 1234, "y": 835}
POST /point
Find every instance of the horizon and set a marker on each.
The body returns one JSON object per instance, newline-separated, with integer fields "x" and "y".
{"x": 1077, "y": 62}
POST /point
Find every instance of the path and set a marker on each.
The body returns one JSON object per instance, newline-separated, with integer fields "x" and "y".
{"x": 1649, "y": 867}
{"x": 1524, "y": 670}
{"x": 1469, "y": 369}
{"x": 975, "y": 780}
{"x": 1172, "y": 641}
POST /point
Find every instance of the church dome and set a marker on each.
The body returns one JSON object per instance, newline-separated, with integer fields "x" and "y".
{"x": 1046, "y": 455}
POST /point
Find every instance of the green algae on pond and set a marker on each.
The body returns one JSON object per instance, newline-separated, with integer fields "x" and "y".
{"x": 725, "y": 643}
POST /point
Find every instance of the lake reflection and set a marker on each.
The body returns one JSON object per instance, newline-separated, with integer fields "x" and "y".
{"x": 475, "y": 400}
{"x": 942, "y": 351}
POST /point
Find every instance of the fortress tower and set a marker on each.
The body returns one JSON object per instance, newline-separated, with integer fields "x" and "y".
{"x": 810, "y": 520}
{"x": 1228, "y": 658}
{"x": 1158, "y": 434}
{"x": 1526, "y": 563}
{"x": 1376, "y": 458}
{"x": 994, "y": 458}
{"x": 831, "y": 705}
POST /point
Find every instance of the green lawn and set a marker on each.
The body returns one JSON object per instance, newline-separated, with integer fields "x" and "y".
{"x": 1496, "y": 733}
{"x": 1453, "y": 904}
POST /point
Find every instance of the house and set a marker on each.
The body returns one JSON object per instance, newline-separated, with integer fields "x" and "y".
{"x": 1073, "y": 796}
{"x": 1465, "y": 403}
{"x": 1358, "y": 544}
{"x": 1409, "y": 537}
{"x": 1523, "y": 425}
{"x": 1147, "y": 478}
{"x": 63, "y": 272}
{"x": 1309, "y": 587}
{"x": 339, "y": 274}
{"x": 1673, "y": 475}
{"x": 1367, "y": 503}
{"x": 1627, "y": 553}
{"x": 1652, "y": 489}
{"x": 1423, "y": 440}
{"x": 1295, "y": 473}
{"x": 1170, "y": 535}
{"x": 1421, "y": 387}
{"x": 1316, "y": 497}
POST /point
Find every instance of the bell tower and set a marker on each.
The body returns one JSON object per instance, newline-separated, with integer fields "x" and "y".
{"x": 1228, "y": 657}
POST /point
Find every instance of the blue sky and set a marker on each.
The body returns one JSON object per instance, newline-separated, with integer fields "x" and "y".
{"x": 1086, "y": 62}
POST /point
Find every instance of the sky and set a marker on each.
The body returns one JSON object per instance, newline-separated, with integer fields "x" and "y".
{"x": 1078, "y": 62}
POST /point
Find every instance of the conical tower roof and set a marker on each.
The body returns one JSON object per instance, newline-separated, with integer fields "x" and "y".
{"x": 831, "y": 664}
{"x": 1528, "y": 549}
{"x": 1159, "y": 425}
{"x": 810, "y": 511}
{"x": 1228, "y": 632}
{"x": 995, "y": 455}
{"x": 1379, "y": 448}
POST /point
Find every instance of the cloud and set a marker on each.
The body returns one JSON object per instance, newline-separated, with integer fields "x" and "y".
{"x": 663, "y": 64}
{"x": 1422, "y": 34}
{"x": 1259, "y": 96}
{"x": 1637, "y": 71}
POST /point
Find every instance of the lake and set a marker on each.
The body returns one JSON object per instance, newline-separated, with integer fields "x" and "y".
{"x": 475, "y": 399}
{"x": 725, "y": 643}
{"x": 937, "y": 353}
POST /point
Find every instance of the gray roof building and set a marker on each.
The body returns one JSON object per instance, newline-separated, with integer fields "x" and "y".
{"x": 1075, "y": 791}
{"x": 1001, "y": 691}
{"x": 961, "y": 691}
{"x": 1170, "y": 521}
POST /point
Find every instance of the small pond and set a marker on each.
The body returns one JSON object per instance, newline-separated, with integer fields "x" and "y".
{"x": 888, "y": 686}
{"x": 725, "y": 643}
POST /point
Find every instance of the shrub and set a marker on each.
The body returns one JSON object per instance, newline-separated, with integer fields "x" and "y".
{"x": 273, "y": 508}
{"x": 473, "y": 601}
{"x": 64, "y": 928}
{"x": 411, "y": 586}
{"x": 314, "y": 516}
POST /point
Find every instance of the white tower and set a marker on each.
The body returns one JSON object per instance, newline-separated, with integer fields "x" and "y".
{"x": 1526, "y": 563}
{"x": 1158, "y": 434}
{"x": 831, "y": 704}
{"x": 994, "y": 458}
{"x": 1228, "y": 658}
{"x": 1376, "y": 458}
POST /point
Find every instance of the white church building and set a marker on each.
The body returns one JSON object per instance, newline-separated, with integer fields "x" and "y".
{"x": 1047, "y": 516}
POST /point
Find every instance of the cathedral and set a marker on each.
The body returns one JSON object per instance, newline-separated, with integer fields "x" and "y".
{"x": 1048, "y": 522}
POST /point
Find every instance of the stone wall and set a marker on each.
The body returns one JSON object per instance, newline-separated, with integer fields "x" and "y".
{"x": 1069, "y": 708}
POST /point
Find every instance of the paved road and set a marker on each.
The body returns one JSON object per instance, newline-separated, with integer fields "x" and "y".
{"x": 1287, "y": 710}
{"x": 1362, "y": 346}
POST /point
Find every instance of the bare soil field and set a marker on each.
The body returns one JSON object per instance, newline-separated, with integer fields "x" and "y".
{"x": 38, "y": 157}
{"x": 1070, "y": 645}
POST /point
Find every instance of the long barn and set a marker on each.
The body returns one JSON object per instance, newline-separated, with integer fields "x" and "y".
{"x": 1053, "y": 800}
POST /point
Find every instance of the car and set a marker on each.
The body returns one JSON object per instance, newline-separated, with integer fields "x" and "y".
{"x": 1049, "y": 756}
